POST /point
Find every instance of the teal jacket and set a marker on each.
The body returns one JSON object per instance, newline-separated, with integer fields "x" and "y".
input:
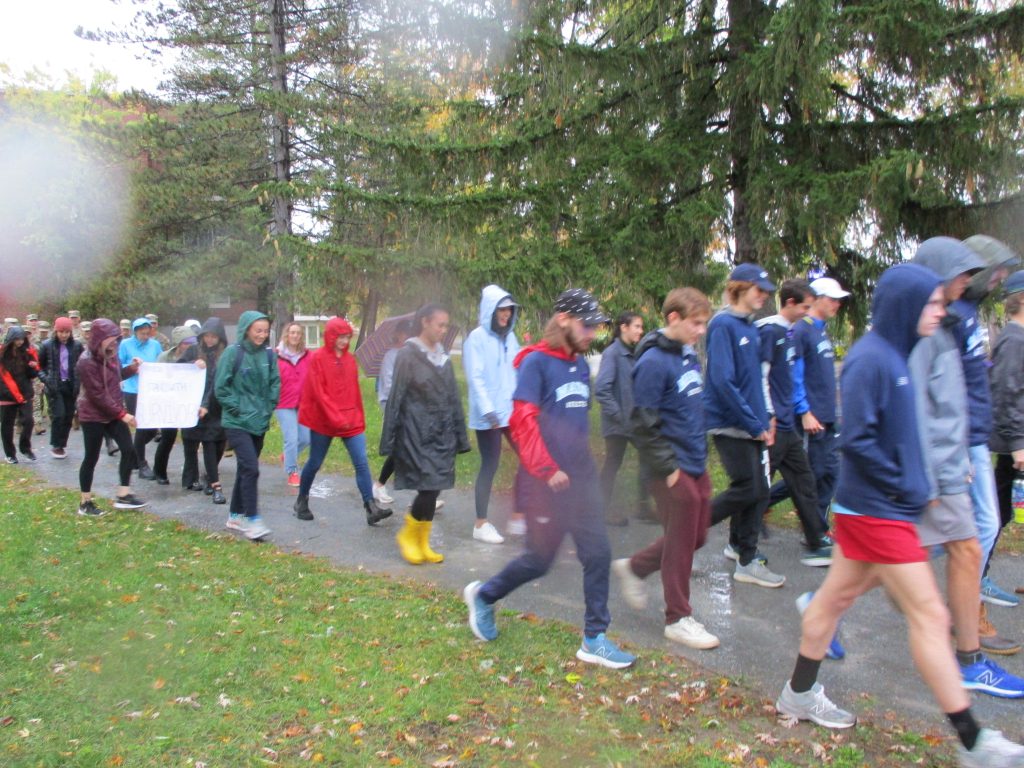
{"x": 248, "y": 392}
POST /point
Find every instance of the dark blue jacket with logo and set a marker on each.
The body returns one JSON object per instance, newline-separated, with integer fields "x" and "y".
{"x": 815, "y": 370}
{"x": 882, "y": 471}
{"x": 733, "y": 395}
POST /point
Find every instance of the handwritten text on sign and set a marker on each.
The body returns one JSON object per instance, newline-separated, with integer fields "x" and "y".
{"x": 169, "y": 395}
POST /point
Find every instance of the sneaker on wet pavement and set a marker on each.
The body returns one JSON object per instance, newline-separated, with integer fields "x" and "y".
{"x": 633, "y": 590}
{"x": 235, "y": 522}
{"x": 58, "y": 453}
{"x": 692, "y": 633}
{"x": 815, "y": 706}
{"x": 380, "y": 494}
{"x": 254, "y": 528}
{"x": 602, "y": 651}
{"x": 817, "y": 558}
{"x": 992, "y": 750}
{"x": 293, "y": 479}
{"x": 988, "y": 677}
{"x": 488, "y": 534}
{"x": 733, "y": 555}
{"x": 756, "y": 572}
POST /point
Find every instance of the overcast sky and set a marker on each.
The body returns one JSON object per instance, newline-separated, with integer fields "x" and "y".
{"x": 41, "y": 35}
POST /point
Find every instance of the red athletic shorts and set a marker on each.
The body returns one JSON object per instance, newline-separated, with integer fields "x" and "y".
{"x": 876, "y": 540}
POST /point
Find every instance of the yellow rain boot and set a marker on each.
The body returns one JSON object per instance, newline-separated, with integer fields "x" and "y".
{"x": 408, "y": 538}
{"x": 429, "y": 555}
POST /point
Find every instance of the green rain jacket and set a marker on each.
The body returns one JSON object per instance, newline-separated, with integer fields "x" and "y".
{"x": 248, "y": 392}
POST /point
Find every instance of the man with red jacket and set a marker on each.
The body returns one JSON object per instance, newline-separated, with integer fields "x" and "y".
{"x": 331, "y": 406}
{"x": 557, "y": 482}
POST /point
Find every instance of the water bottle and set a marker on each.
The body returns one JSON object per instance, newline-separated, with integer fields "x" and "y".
{"x": 1018, "y": 497}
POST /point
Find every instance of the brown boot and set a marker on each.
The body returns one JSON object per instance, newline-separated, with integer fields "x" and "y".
{"x": 991, "y": 642}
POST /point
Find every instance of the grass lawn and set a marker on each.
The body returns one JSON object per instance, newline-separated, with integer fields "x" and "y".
{"x": 131, "y": 641}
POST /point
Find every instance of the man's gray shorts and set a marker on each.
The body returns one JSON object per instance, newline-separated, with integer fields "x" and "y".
{"x": 951, "y": 519}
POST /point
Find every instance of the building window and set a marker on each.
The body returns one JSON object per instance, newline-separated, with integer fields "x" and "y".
{"x": 220, "y": 302}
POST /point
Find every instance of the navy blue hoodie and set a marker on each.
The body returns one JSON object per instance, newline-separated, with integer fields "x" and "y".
{"x": 734, "y": 395}
{"x": 971, "y": 336}
{"x": 882, "y": 469}
{"x": 668, "y": 409}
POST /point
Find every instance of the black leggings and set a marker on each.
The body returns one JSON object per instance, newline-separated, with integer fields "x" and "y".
{"x": 213, "y": 452}
{"x": 16, "y": 413}
{"x": 423, "y": 505}
{"x": 93, "y": 433}
{"x": 489, "y": 442}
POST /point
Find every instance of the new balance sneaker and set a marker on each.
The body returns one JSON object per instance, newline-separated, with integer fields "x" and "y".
{"x": 481, "y": 614}
{"x": 633, "y": 590}
{"x": 128, "y": 501}
{"x": 235, "y": 522}
{"x": 254, "y": 528}
{"x": 380, "y": 494}
{"x": 988, "y": 677}
{"x": 734, "y": 555}
{"x": 58, "y": 453}
{"x": 756, "y": 572}
{"x": 835, "y": 647}
{"x": 692, "y": 633}
{"x": 815, "y": 706}
{"x": 488, "y": 534}
{"x": 817, "y": 558}
{"x": 993, "y": 594}
{"x": 89, "y": 509}
{"x": 600, "y": 650}
{"x": 992, "y": 750}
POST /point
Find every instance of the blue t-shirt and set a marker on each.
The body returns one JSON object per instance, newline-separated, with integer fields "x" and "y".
{"x": 561, "y": 389}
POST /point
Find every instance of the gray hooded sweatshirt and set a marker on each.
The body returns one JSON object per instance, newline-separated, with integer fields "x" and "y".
{"x": 937, "y": 374}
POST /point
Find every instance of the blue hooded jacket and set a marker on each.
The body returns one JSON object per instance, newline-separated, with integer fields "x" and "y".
{"x": 733, "y": 392}
{"x": 882, "y": 470}
{"x": 487, "y": 356}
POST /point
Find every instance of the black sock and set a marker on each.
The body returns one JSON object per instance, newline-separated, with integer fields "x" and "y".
{"x": 804, "y": 674}
{"x": 967, "y": 658}
{"x": 965, "y": 726}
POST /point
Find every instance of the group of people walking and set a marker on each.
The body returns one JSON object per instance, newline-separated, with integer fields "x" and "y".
{"x": 896, "y": 465}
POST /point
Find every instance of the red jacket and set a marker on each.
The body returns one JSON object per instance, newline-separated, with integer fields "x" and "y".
{"x": 331, "y": 402}
{"x": 100, "y": 398}
{"x": 293, "y": 376}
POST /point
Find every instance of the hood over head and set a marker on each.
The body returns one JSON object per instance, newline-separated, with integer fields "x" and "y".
{"x": 139, "y": 323}
{"x": 336, "y": 326}
{"x": 246, "y": 320}
{"x": 102, "y": 329}
{"x": 214, "y": 325}
{"x": 996, "y": 254}
{"x": 490, "y": 297}
{"x": 947, "y": 257}
{"x": 14, "y": 333}
{"x": 182, "y": 333}
{"x": 901, "y": 295}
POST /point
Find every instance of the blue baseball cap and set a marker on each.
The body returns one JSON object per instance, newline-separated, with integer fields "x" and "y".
{"x": 1014, "y": 283}
{"x": 749, "y": 272}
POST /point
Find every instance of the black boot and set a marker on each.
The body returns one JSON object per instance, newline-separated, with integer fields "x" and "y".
{"x": 302, "y": 508}
{"x": 375, "y": 514}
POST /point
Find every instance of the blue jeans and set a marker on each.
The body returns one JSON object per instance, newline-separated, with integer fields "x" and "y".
{"x": 296, "y": 437}
{"x": 356, "y": 447}
{"x": 579, "y": 512}
{"x": 983, "y": 496}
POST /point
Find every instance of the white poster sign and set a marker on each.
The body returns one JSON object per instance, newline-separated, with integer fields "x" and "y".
{"x": 169, "y": 395}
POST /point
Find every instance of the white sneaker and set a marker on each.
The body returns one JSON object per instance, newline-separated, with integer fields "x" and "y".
{"x": 488, "y": 534}
{"x": 691, "y": 632}
{"x": 380, "y": 494}
{"x": 992, "y": 750}
{"x": 235, "y": 523}
{"x": 516, "y": 526}
{"x": 633, "y": 590}
{"x": 438, "y": 504}
{"x": 255, "y": 528}
{"x": 815, "y": 706}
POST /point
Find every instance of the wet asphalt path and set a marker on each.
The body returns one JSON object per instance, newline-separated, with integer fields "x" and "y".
{"x": 758, "y": 628}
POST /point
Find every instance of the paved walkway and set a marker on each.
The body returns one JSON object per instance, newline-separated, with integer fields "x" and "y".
{"x": 759, "y": 628}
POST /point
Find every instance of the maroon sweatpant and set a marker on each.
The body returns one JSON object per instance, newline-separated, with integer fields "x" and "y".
{"x": 685, "y": 513}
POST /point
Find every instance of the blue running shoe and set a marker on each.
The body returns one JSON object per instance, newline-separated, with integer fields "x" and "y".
{"x": 835, "y": 647}
{"x": 481, "y": 614}
{"x": 993, "y": 594}
{"x": 988, "y": 677}
{"x": 601, "y": 650}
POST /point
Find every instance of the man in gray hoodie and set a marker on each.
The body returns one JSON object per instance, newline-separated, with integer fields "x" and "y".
{"x": 942, "y": 415}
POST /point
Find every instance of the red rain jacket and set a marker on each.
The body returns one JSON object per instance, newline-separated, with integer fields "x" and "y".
{"x": 331, "y": 402}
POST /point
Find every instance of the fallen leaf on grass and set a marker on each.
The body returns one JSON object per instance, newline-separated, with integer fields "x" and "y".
{"x": 159, "y": 683}
{"x": 4, "y": 722}
{"x": 767, "y": 738}
{"x": 444, "y": 762}
{"x": 129, "y": 598}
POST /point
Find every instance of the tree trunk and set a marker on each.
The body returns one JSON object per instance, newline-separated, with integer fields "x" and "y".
{"x": 281, "y": 226}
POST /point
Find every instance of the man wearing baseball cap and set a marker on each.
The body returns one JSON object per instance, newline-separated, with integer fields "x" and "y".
{"x": 737, "y": 420}
{"x": 814, "y": 393}
{"x": 76, "y": 324}
{"x": 154, "y": 323}
{"x": 557, "y": 484}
